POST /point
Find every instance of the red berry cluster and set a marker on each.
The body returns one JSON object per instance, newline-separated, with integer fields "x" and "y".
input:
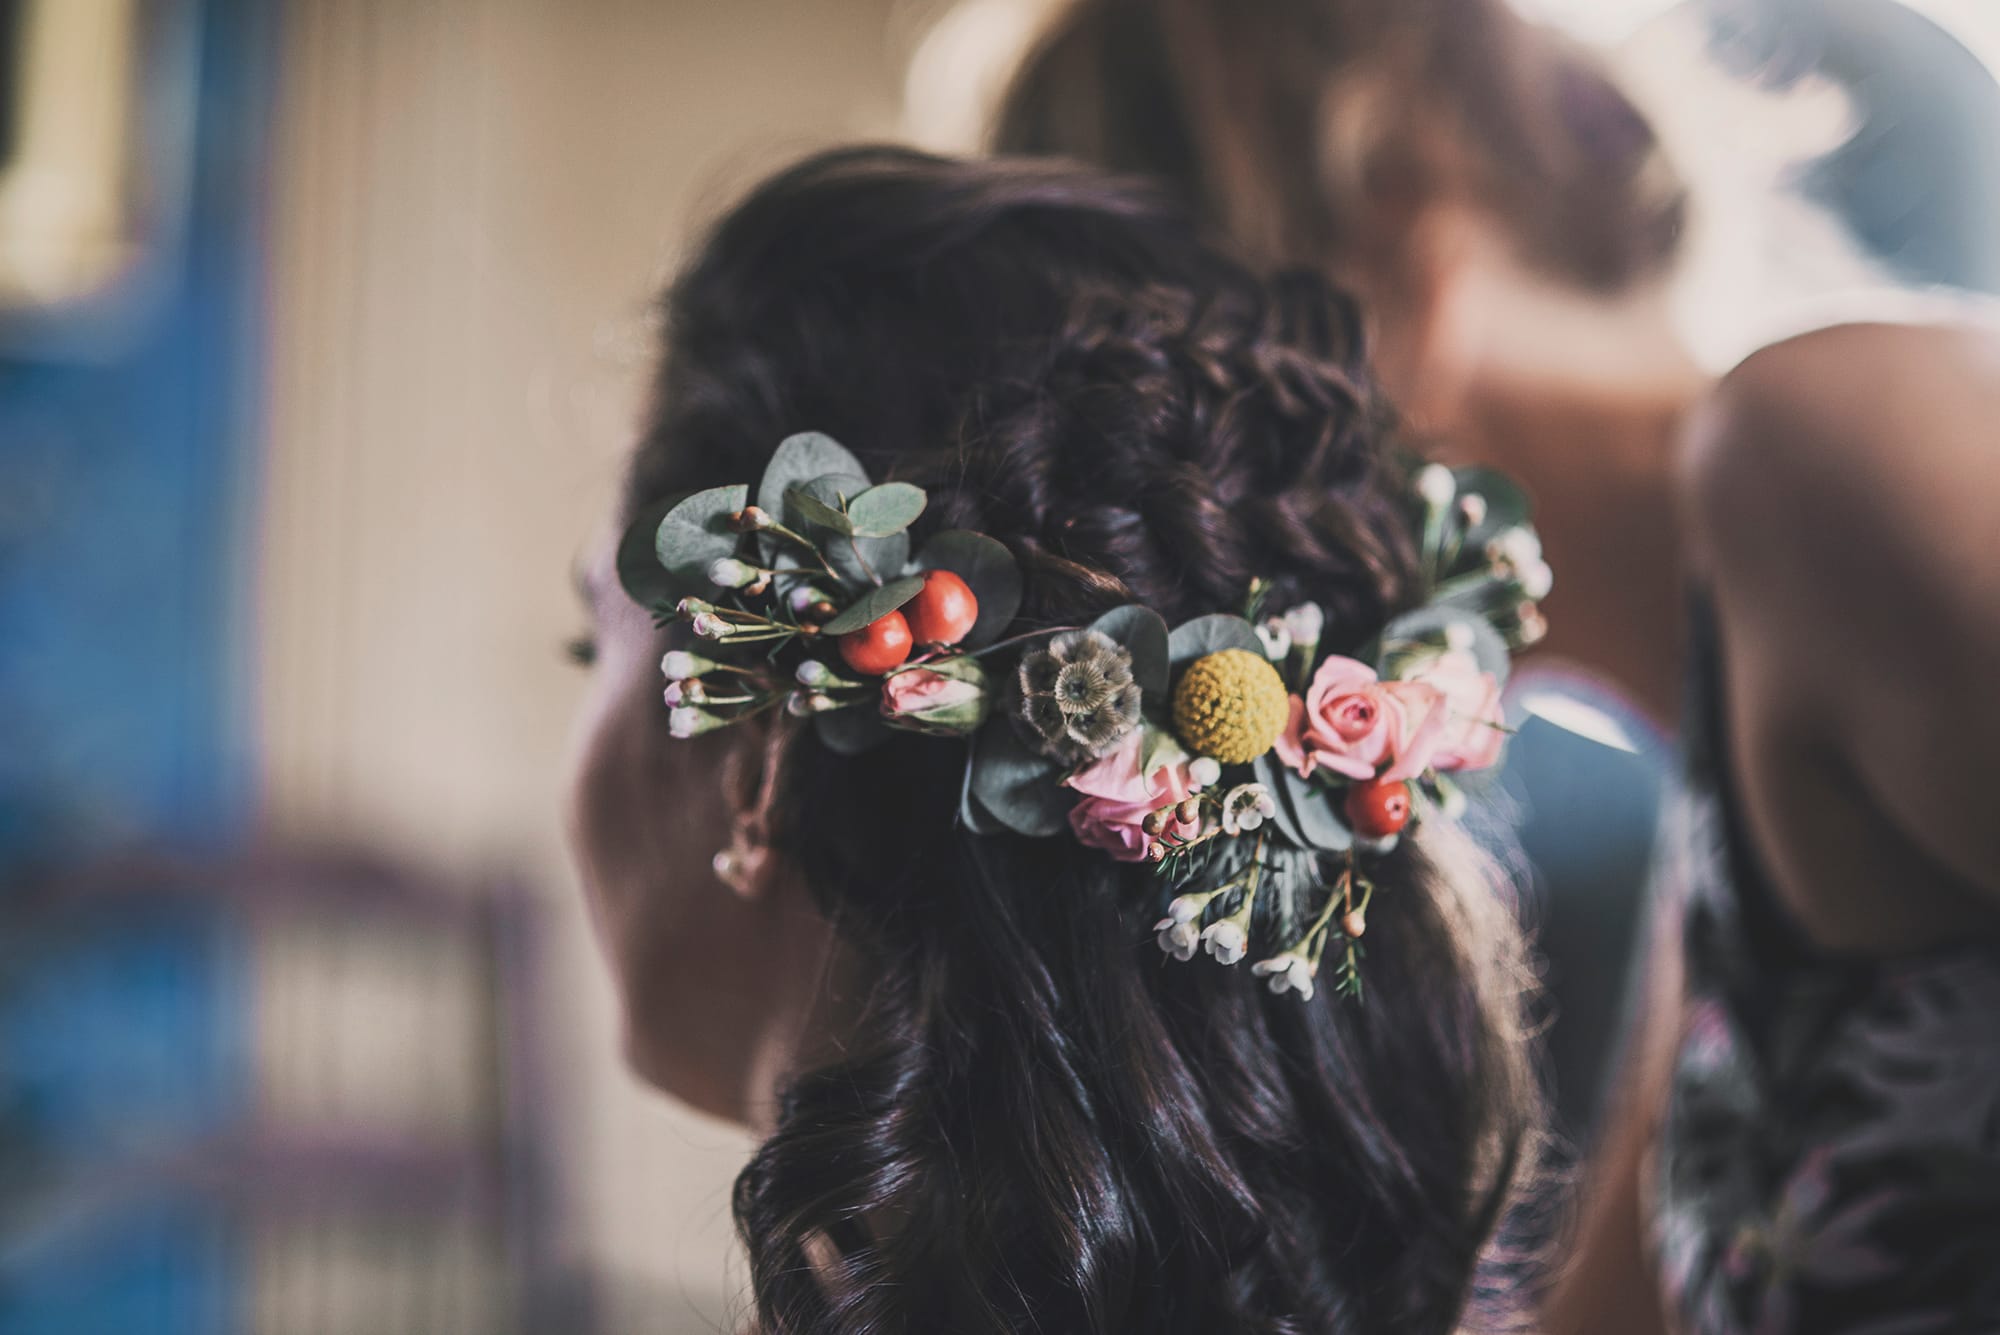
{"x": 942, "y": 613}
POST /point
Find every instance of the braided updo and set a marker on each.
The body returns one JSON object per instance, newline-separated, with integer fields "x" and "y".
{"x": 1034, "y": 1125}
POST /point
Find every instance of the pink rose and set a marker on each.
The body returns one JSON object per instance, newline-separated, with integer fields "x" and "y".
{"x": 1349, "y": 722}
{"x": 1117, "y": 797}
{"x": 1470, "y": 731}
{"x": 951, "y": 702}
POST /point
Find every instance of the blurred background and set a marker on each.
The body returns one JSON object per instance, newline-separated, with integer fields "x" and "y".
{"x": 322, "y": 327}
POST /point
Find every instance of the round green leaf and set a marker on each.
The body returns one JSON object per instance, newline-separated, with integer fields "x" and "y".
{"x": 697, "y": 532}
{"x": 1018, "y": 788}
{"x": 971, "y": 814}
{"x": 880, "y": 512}
{"x": 1211, "y": 635}
{"x": 802, "y": 504}
{"x": 1143, "y": 632}
{"x": 1313, "y": 812}
{"x": 645, "y": 581}
{"x": 852, "y": 730}
{"x": 988, "y": 569}
{"x": 874, "y": 605}
{"x": 801, "y": 458}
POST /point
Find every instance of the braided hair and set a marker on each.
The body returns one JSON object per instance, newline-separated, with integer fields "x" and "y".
{"x": 1033, "y": 1125}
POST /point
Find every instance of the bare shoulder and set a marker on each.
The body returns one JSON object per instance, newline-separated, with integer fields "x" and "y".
{"x": 1842, "y": 500}
{"x": 1854, "y": 433}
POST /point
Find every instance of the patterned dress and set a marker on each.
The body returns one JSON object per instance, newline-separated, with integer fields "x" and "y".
{"x": 1830, "y": 1162}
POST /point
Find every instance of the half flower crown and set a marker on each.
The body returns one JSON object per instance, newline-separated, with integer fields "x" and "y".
{"x": 1227, "y": 751}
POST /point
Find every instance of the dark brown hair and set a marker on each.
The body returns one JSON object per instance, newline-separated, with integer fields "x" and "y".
{"x": 1038, "y": 1123}
{"x": 1313, "y": 131}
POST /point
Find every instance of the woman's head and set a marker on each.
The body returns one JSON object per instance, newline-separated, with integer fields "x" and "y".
{"x": 1359, "y": 135}
{"x": 997, "y": 1110}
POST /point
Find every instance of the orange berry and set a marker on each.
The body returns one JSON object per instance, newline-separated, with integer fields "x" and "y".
{"x": 944, "y": 611}
{"x": 878, "y": 647}
{"x": 1378, "y": 808}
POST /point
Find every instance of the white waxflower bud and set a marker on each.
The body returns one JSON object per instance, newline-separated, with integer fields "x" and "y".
{"x": 1472, "y": 509}
{"x": 687, "y": 722}
{"x": 731, "y": 573}
{"x": 1458, "y": 635}
{"x": 812, "y": 672}
{"x": 710, "y": 627}
{"x": 1186, "y": 908}
{"x": 1436, "y": 485}
{"x": 679, "y": 665}
{"x": 1305, "y": 622}
{"x": 1536, "y": 580}
{"x": 1204, "y": 771}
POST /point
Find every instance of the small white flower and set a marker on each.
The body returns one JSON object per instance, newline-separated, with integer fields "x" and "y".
{"x": 1472, "y": 509}
{"x": 1287, "y": 973}
{"x": 1225, "y": 940}
{"x": 1436, "y": 485}
{"x": 731, "y": 573}
{"x": 1178, "y": 939}
{"x": 1204, "y": 771}
{"x": 686, "y": 722}
{"x": 1536, "y": 580}
{"x": 1186, "y": 908}
{"x": 1276, "y": 638}
{"x": 1245, "y": 808}
{"x": 679, "y": 665}
{"x": 1458, "y": 635}
{"x": 1305, "y": 622}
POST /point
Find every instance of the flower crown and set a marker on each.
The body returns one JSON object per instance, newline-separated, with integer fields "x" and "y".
{"x": 1227, "y": 751}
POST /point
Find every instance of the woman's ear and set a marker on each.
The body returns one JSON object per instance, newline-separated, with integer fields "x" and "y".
{"x": 752, "y": 777}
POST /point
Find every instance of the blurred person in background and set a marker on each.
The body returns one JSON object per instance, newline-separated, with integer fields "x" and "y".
{"x": 1811, "y": 1135}
{"x": 986, "y": 1102}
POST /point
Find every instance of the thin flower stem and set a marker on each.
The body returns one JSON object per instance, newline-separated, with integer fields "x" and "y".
{"x": 1017, "y": 639}
{"x": 788, "y": 535}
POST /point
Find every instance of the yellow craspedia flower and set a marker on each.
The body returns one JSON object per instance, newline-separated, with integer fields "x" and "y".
{"x": 1230, "y": 705}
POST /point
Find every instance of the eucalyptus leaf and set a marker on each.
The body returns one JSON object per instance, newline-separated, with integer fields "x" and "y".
{"x": 860, "y": 563}
{"x": 697, "y": 532}
{"x": 1143, "y": 632}
{"x": 1429, "y": 630}
{"x": 1313, "y": 812}
{"x": 800, "y": 503}
{"x": 797, "y": 461}
{"x": 971, "y": 814}
{"x": 801, "y": 458}
{"x": 988, "y": 569}
{"x": 852, "y": 730}
{"x": 645, "y": 581}
{"x": 874, "y": 605}
{"x": 1210, "y": 635}
{"x": 1018, "y": 788}
{"x": 888, "y": 509}
{"x": 1267, "y": 768}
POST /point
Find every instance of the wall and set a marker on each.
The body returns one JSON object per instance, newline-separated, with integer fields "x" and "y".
{"x": 475, "y": 201}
